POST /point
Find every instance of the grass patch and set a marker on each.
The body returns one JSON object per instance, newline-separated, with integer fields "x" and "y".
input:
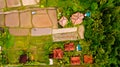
{"x": 33, "y": 45}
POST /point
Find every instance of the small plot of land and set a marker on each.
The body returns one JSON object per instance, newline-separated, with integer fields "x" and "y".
{"x": 35, "y": 22}
{"x": 33, "y": 45}
{"x": 17, "y": 3}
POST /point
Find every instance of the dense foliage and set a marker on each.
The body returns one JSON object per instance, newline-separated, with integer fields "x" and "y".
{"x": 6, "y": 41}
{"x": 104, "y": 32}
{"x": 102, "y": 29}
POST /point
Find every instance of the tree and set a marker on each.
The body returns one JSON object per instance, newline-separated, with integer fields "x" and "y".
{"x": 94, "y": 6}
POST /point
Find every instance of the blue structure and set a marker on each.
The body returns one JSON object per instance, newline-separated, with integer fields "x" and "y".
{"x": 79, "y": 48}
{"x": 88, "y": 14}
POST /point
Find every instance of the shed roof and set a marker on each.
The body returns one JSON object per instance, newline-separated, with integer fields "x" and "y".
{"x": 23, "y": 58}
{"x": 63, "y": 21}
{"x": 69, "y": 47}
{"x": 58, "y": 53}
{"x": 88, "y": 59}
{"x": 79, "y": 48}
{"x": 75, "y": 60}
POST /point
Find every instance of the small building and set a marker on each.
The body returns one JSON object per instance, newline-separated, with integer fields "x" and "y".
{"x": 57, "y": 53}
{"x": 88, "y": 59}
{"x": 63, "y": 21}
{"x": 77, "y": 18}
{"x": 78, "y": 47}
{"x": 88, "y": 14}
{"x": 69, "y": 47}
{"x": 23, "y": 58}
{"x": 75, "y": 60}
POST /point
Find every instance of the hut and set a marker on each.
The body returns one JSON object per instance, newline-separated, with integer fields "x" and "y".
{"x": 63, "y": 21}
{"x": 23, "y": 58}
{"x": 75, "y": 60}
{"x": 69, "y": 47}
{"x": 57, "y": 53}
{"x": 88, "y": 59}
{"x": 78, "y": 47}
{"x": 77, "y": 18}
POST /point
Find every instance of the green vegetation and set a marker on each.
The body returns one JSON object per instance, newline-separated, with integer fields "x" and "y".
{"x": 102, "y": 28}
{"x": 102, "y": 33}
{"x": 33, "y": 47}
{"x": 6, "y": 40}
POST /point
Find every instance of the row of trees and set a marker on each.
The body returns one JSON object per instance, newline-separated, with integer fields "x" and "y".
{"x": 104, "y": 32}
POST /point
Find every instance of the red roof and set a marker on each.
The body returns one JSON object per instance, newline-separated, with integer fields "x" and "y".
{"x": 57, "y": 53}
{"x": 75, "y": 60}
{"x": 69, "y": 47}
{"x": 88, "y": 59}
